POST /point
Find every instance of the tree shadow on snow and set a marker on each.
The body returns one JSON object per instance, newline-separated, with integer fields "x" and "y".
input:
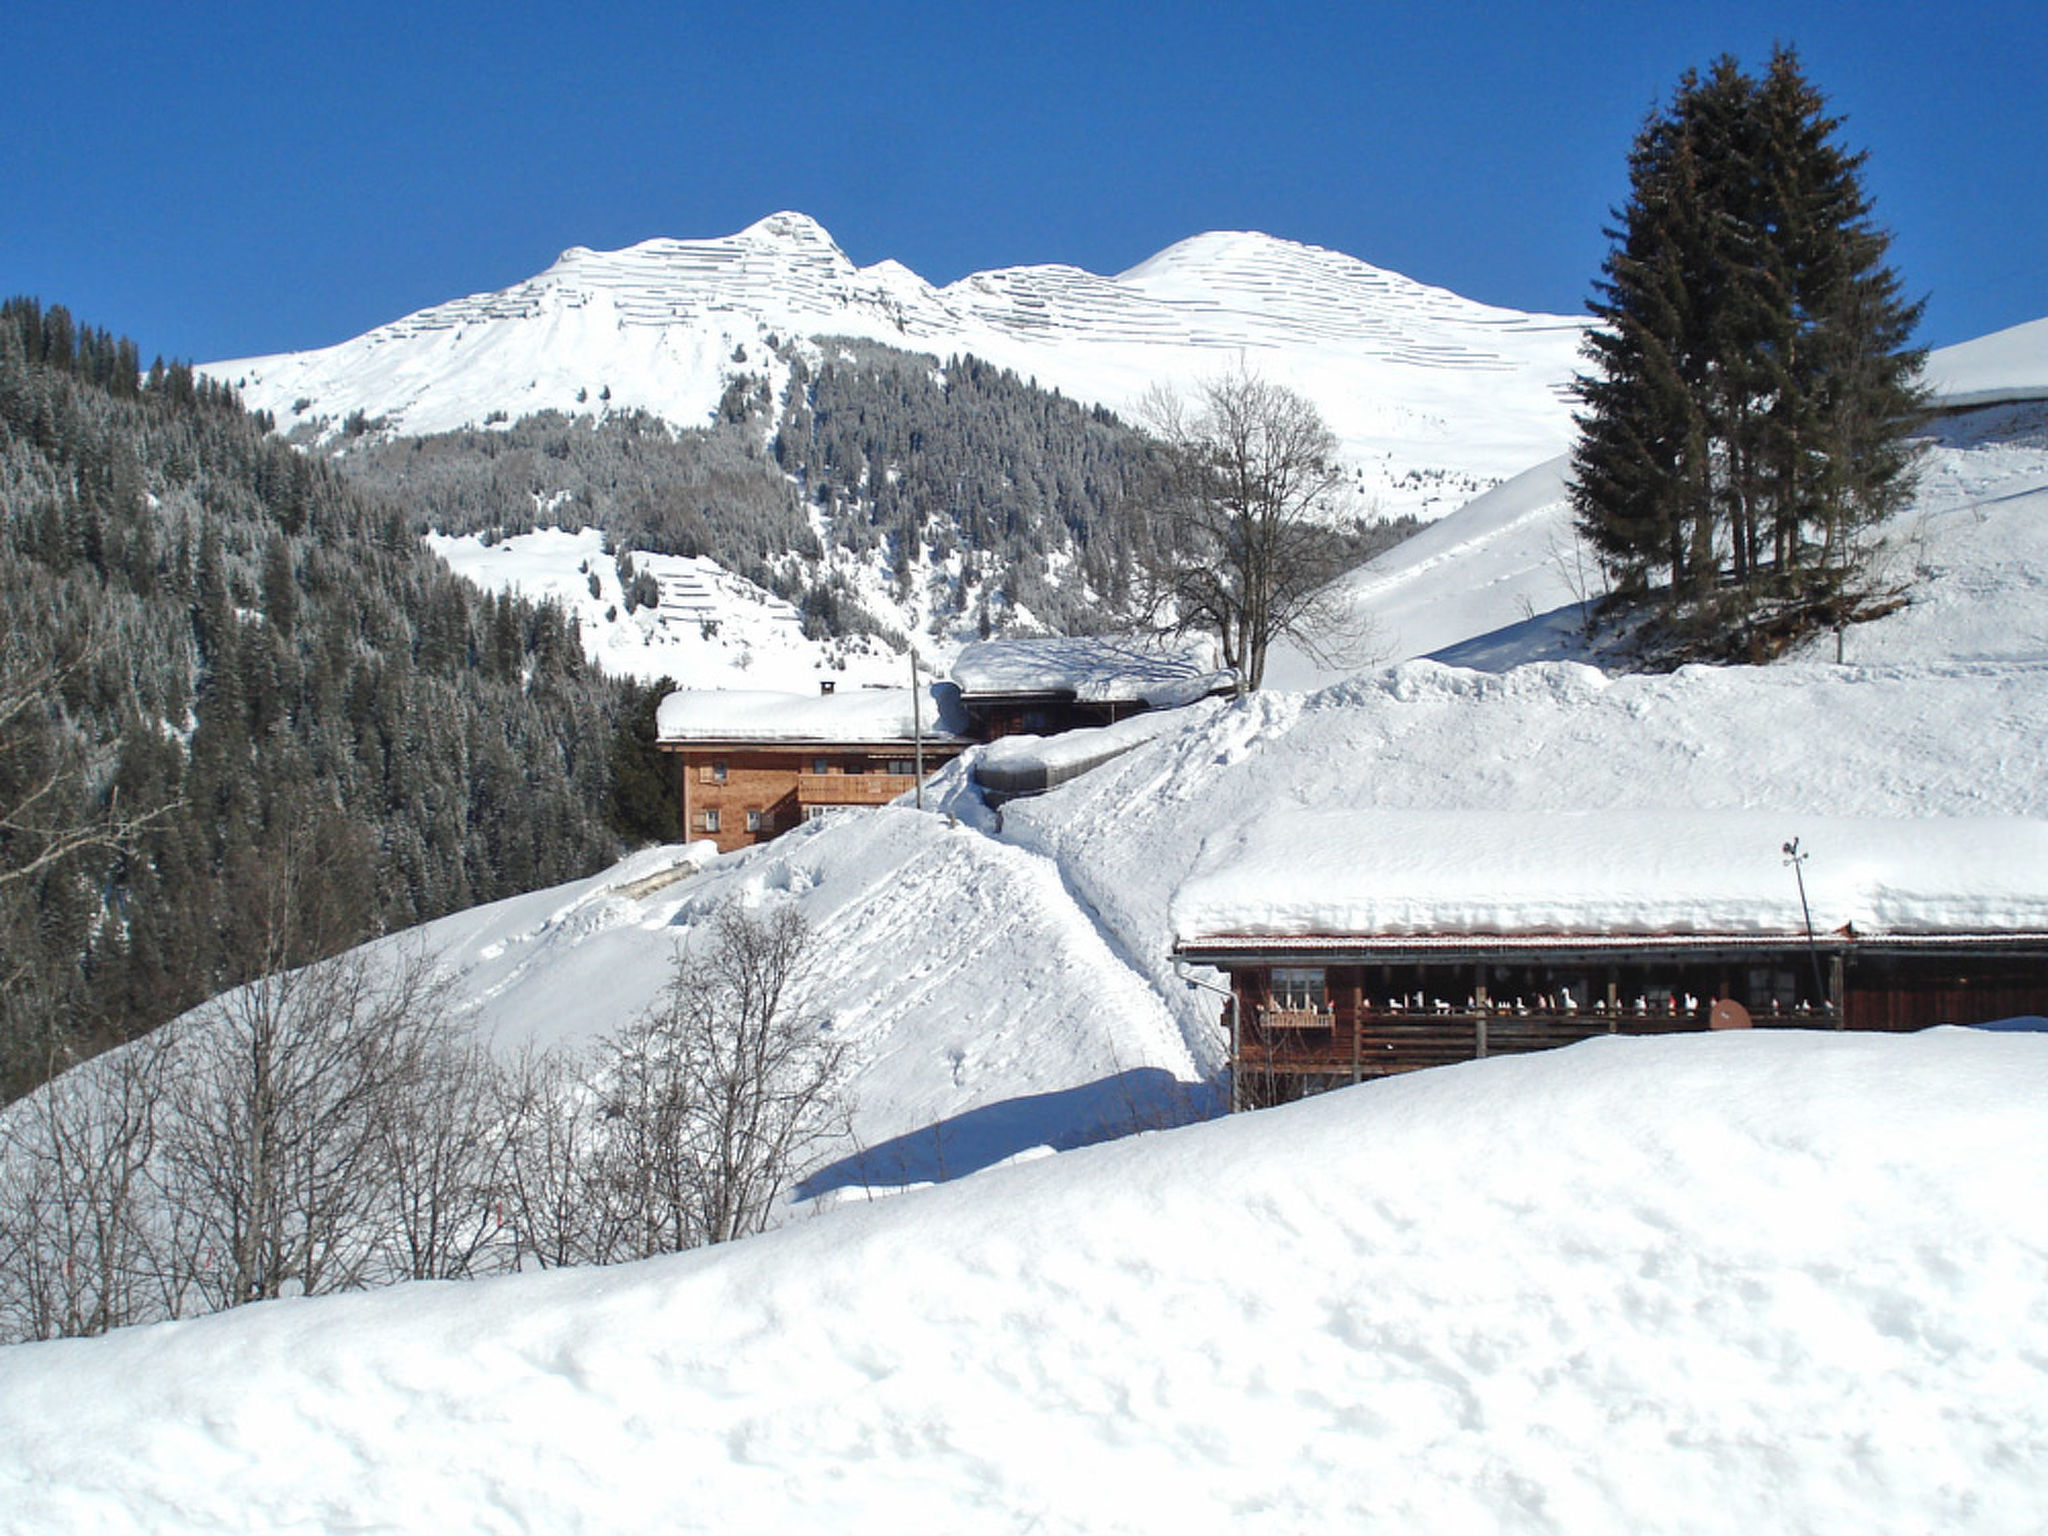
{"x": 1141, "y": 1099}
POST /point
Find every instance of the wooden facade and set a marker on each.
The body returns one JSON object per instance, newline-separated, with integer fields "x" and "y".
{"x": 1042, "y": 714}
{"x": 738, "y": 793}
{"x": 1311, "y": 1014}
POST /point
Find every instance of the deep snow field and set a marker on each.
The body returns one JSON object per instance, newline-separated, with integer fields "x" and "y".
{"x": 1775, "y": 1282}
{"x": 1786, "y": 1283}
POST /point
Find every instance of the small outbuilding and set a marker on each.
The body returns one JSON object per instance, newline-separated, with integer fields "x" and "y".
{"x": 1360, "y": 944}
{"x": 1044, "y": 686}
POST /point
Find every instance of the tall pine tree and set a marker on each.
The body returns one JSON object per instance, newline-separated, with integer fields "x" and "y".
{"x": 1748, "y": 411}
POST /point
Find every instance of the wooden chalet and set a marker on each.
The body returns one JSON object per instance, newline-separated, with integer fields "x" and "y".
{"x": 751, "y": 765}
{"x": 1044, "y": 686}
{"x": 1365, "y": 945}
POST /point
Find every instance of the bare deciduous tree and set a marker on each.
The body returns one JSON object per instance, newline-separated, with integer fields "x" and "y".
{"x": 443, "y": 1161}
{"x": 77, "y": 1202}
{"x": 718, "y": 1097}
{"x": 275, "y": 1151}
{"x": 1248, "y": 522}
{"x": 553, "y": 1197}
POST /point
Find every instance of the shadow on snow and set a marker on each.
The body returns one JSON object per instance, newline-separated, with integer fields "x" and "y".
{"x": 1141, "y": 1099}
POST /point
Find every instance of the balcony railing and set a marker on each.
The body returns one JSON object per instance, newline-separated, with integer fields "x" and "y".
{"x": 1378, "y": 1041}
{"x": 1305, "y": 1016}
{"x": 821, "y": 789}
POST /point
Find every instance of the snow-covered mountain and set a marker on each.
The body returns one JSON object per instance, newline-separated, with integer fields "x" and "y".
{"x": 1433, "y": 395}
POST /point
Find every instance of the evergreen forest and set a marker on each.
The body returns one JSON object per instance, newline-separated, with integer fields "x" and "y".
{"x": 1000, "y": 500}
{"x": 228, "y": 668}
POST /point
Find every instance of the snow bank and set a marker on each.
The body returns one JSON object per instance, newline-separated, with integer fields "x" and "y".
{"x": 1734, "y": 1283}
{"x": 982, "y": 1011}
{"x": 1593, "y": 873}
{"x": 1025, "y": 765}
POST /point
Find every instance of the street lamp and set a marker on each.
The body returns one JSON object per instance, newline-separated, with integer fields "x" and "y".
{"x": 1229, "y": 995}
{"x": 1797, "y": 860}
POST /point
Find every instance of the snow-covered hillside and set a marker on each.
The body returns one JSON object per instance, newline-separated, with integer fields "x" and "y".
{"x": 1013, "y": 987}
{"x": 1711, "y": 1283}
{"x": 1770, "y": 1282}
{"x": 710, "y": 629}
{"x": 1434, "y": 396}
{"x": 1018, "y": 976}
{"x": 1506, "y": 579}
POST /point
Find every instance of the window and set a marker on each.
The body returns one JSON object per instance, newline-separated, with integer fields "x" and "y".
{"x": 711, "y": 821}
{"x": 820, "y": 766}
{"x": 905, "y": 767}
{"x": 759, "y": 821}
{"x": 718, "y": 773}
{"x": 1299, "y": 986}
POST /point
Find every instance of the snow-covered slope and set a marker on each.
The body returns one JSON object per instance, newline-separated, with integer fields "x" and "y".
{"x": 1023, "y": 976}
{"x": 710, "y": 629}
{"x": 1505, "y": 579}
{"x": 1434, "y": 396}
{"x": 1776, "y": 1282}
{"x": 1716, "y": 1283}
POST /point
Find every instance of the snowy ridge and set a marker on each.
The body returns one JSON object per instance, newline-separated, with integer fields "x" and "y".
{"x": 2006, "y": 366}
{"x": 1423, "y": 387}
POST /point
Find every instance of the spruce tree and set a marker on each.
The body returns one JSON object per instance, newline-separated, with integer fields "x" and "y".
{"x": 1748, "y": 411}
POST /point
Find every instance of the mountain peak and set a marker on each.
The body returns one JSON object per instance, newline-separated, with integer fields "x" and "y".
{"x": 788, "y": 227}
{"x": 1430, "y": 392}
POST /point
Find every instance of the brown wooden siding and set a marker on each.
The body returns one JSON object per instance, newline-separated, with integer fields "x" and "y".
{"x": 1376, "y": 1020}
{"x": 775, "y": 784}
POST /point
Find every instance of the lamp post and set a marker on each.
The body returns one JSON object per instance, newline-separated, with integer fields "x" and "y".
{"x": 1229, "y": 995}
{"x": 916, "y": 726}
{"x": 1797, "y": 860}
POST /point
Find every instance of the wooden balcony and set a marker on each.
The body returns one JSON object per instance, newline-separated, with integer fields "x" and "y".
{"x": 1377, "y": 1042}
{"x": 1307, "y": 1016}
{"x": 829, "y": 789}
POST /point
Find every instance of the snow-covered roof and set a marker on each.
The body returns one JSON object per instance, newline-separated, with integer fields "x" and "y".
{"x": 1093, "y": 669}
{"x": 1604, "y": 873}
{"x": 858, "y": 716}
{"x": 2011, "y": 364}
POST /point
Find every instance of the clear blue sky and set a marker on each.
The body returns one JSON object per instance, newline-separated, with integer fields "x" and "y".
{"x": 221, "y": 180}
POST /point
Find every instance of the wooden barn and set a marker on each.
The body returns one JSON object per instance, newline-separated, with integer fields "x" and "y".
{"x": 1367, "y": 944}
{"x": 751, "y": 765}
{"x": 1044, "y": 686}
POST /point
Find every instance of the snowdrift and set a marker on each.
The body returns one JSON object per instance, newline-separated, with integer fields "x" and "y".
{"x": 1786, "y": 1282}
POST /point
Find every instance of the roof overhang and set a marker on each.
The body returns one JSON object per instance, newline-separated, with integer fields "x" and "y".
{"x": 797, "y": 746}
{"x": 1226, "y": 950}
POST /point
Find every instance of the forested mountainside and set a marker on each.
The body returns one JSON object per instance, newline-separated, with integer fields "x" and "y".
{"x": 223, "y": 647}
{"x": 971, "y": 492}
